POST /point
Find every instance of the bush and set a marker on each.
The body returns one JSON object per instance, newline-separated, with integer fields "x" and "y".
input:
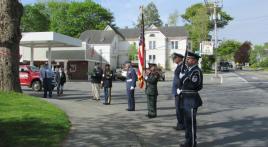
{"x": 207, "y": 62}
{"x": 264, "y": 63}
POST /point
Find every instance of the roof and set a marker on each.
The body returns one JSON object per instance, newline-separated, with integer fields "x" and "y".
{"x": 98, "y": 36}
{"x": 107, "y": 36}
{"x": 174, "y": 31}
{"x": 48, "y": 39}
{"x": 130, "y": 33}
{"x": 168, "y": 31}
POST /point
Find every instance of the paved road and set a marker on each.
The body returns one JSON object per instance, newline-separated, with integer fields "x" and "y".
{"x": 234, "y": 114}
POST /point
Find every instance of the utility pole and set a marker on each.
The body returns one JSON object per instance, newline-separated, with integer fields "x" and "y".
{"x": 215, "y": 18}
{"x": 215, "y": 36}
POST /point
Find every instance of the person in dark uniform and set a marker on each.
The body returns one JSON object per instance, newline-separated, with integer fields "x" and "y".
{"x": 192, "y": 82}
{"x": 46, "y": 77}
{"x": 151, "y": 78}
{"x": 60, "y": 79}
{"x": 106, "y": 82}
{"x": 177, "y": 59}
{"x": 130, "y": 85}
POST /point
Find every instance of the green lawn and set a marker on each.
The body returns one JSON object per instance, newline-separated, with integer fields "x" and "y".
{"x": 27, "y": 121}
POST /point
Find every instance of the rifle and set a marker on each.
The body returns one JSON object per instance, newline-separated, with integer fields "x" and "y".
{"x": 183, "y": 67}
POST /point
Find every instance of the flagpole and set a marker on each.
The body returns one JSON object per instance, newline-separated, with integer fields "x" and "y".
{"x": 144, "y": 50}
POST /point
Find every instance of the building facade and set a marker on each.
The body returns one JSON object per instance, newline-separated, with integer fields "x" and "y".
{"x": 112, "y": 46}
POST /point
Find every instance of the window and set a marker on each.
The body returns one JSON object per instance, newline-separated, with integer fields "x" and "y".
{"x": 174, "y": 44}
{"x": 153, "y": 58}
{"x": 150, "y": 57}
{"x": 152, "y": 35}
{"x": 152, "y": 45}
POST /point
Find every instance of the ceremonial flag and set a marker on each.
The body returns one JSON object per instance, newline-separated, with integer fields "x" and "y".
{"x": 141, "y": 53}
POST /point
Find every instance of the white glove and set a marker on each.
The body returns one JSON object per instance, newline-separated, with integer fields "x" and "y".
{"x": 131, "y": 88}
{"x": 178, "y": 91}
{"x": 146, "y": 77}
{"x": 182, "y": 75}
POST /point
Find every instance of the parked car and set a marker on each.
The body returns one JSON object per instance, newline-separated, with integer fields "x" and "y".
{"x": 30, "y": 76}
{"x": 120, "y": 74}
{"x": 225, "y": 66}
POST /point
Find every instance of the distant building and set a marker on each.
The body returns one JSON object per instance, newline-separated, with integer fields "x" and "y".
{"x": 111, "y": 46}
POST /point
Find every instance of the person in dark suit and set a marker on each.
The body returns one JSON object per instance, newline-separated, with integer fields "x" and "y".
{"x": 61, "y": 80}
{"x": 151, "y": 79}
{"x": 131, "y": 79}
{"x": 107, "y": 79}
{"x": 96, "y": 77}
{"x": 192, "y": 82}
{"x": 177, "y": 59}
{"x": 46, "y": 77}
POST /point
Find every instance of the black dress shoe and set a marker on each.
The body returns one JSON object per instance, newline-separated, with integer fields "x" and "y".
{"x": 179, "y": 128}
{"x": 184, "y": 145}
{"x": 150, "y": 116}
{"x": 187, "y": 145}
{"x": 130, "y": 110}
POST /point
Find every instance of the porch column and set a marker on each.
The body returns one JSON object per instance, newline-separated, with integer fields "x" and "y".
{"x": 32, "y": 56}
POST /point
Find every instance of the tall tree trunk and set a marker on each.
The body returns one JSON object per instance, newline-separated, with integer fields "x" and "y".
{"x": 10, "y": 35}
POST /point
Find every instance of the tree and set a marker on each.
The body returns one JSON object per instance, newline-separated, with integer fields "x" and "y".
{"x": 227, "y": 49}
{"x": 198, "y": 23}
{"x": 10, "y": 35}
{"x": 133, "y": 51}
{"x": 242, "y": 54}
{"x": 35, "y": 18}
{"x": 257, "y": 54}
{"x": 72, "y": 18}
{"x": 173, "y": 18}
{"x": 151, "y": 16}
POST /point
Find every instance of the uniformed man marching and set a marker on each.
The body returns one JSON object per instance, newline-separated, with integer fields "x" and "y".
{"x": 177, "y": 59}
{"x": 192, "y": 82}
{"x": 130, "y": 85}
{"x": 151, "y": 78}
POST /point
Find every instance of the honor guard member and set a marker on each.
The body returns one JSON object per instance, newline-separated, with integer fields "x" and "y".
{"x": 177, "y": 59}
{"x": 47, "y": 76}
{"x": 130, "y": 85}
{"x": 107, "y": 79}
{"x": 192, "y": 82}
{"x": 151, "y": 78}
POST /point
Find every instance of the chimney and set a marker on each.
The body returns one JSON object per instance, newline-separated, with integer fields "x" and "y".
{"x": 166, "y": 25}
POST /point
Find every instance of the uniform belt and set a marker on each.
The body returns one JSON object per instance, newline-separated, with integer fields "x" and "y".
{"x": 189, "y": 91}
{"x": 129, "y": 80}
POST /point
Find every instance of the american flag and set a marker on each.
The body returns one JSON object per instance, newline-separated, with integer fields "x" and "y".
{"x": 141, "y": 53}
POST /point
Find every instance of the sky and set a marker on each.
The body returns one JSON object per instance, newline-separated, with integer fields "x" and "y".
{"x": 250, "y": 16}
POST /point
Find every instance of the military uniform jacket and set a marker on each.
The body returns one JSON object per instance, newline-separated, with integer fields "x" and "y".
{"x": 151, "y": 84}
{"x": 96, "y": 75}
{"x": 176, "y": 80}
{"x": 192, "y": 83}
{"x": 107, "y": 78}
{"x": 131, "y": 78}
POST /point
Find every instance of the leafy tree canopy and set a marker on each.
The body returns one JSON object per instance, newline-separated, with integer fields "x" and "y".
{"x": 227, "y": 49}
{"x": 198, "y": 24}
{"x": 151, "y": 16}
{"x": 66, "y": 17}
